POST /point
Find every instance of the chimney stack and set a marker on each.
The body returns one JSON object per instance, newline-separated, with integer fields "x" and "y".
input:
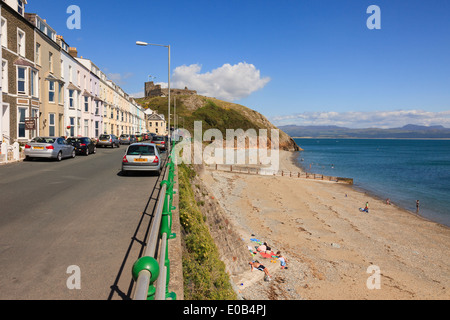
{"x": 73, "y": 52}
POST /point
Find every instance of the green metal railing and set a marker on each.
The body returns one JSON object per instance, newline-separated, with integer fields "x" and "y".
{"x": 152, "y": 275}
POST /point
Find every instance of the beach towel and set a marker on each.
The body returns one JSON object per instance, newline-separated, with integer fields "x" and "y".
{"x": 267, "y": 255}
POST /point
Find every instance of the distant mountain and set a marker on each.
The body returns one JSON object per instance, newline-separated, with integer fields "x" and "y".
{"x": 410, "y": 131}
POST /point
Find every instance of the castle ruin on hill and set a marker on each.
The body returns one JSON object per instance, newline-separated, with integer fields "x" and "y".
{"x": 155, "y": 90}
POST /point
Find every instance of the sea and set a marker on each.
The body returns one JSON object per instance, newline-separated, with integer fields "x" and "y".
{"x": 401, "y": 170}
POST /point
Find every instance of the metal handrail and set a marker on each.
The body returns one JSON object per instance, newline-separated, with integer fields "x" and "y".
{"x": 154, "y": 232}
{"x": 161, "y": 282}
{"x": 143, "y": 280}
{"x": 147, "y": 270}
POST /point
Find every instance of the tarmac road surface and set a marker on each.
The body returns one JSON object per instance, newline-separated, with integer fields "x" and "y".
{"x": 72, "y": 230}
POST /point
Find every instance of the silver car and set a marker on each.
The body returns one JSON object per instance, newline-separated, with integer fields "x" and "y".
{"x": 125, "y": 139}
{"x": 108, "y": 140}
{"x": 141, "y": 157}
{"x": 49, "y": 147}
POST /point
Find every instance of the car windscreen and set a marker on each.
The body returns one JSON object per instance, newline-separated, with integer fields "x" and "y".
{"x": 141, "y": 150}
{"x": 43, "y": 140}
{"x": 158, "y": 139}
{"x": 70, "y": 140}
{"x": 104, "y": 137}
{"x": 124, "y": 136}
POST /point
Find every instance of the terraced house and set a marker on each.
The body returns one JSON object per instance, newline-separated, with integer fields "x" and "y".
{"x": 48, "y": 90}
{"x": 49, "y": 87}
{"x": 20, "y": 94}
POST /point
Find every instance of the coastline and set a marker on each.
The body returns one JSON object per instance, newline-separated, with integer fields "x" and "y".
{"x": 328, "y": 243}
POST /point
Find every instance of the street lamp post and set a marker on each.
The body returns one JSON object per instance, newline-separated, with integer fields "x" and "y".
{"x": 141, "y": 43}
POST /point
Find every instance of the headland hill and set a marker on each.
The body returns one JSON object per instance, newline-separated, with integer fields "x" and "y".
{"x": 409, "y": 131}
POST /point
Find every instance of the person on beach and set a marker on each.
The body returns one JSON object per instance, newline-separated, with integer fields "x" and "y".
{"x": 282, "y": 259}
{"x": 366, "y": 208}
{"x": 260, "y": 267}
{"x": 417, "y": 206}
{"x": 263, "y": 248}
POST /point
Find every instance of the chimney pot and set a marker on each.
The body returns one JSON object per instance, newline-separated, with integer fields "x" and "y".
{"x": 73, "y": 52}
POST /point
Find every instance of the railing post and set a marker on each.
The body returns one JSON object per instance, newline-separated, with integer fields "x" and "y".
{"x": 146, "y": 269}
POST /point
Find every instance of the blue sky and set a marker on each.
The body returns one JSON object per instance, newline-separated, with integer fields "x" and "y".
{"x": 295, "y": 61}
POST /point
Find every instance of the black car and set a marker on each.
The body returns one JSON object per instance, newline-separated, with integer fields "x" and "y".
{"x": 83, "y": 145}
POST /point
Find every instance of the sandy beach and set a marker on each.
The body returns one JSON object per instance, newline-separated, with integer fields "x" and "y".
{"x": 333, "y": 250}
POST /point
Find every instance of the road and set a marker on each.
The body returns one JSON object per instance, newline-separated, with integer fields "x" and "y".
{"x": 71, "y": 230}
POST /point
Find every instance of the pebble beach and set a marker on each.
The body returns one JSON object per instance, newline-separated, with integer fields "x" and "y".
{"x": 333, "y": 251}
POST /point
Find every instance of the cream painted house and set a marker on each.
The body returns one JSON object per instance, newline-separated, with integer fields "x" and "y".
{"x": 50, "y": 87}
{"x": 156, "y": 123}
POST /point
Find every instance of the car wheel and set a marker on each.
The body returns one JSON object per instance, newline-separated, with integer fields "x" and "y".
{"x": 95, "y": 150}
{"x": 87, "y": 152}
{"x": 59, "y": 156}
{"x": 73, "y": 154}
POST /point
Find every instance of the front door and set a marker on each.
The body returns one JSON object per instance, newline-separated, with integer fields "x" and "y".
{"x": 5, "y": 124}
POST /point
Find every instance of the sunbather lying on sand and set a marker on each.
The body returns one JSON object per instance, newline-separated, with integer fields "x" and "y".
{"x": 260, "y": 267}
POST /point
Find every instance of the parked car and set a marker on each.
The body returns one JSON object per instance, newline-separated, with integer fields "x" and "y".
{"x": 139, "y": 138}
{"x": 108, "y": 140}
{"x": 141, "y": 157}
{"x": 83, "y": 145}
{"x": 145, "y": 136}
{"x": 133, "y": 138}
{"x": 49, "y": 147}
{"x": 160, "y": 142}
{"x": 124, "y": 139}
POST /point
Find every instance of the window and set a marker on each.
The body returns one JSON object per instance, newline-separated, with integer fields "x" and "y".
{"x": 50, "y": 62}
{"x": 4, "y": 33}
{"x": 72, "y": 126}
{"x": 21, "y": 42}
{"x": 22, "y": 114}
{"x": 97, "y": 109}
{"x": 4, "y": 75}
{"x": 38, "y": 53}
{"x": 34, "y": 84}
{"x": 143, "y": 150}
{"x": 97, "y": 128}
{"x": 51, "y": 91}
{"x": 22, "y": 80}
{"x": 86, "y": 128}
{"x": 71, "y": 99}
{"x": 86, "y": 104}
{"x": 60, "y": 97}
{"x": 20, "y": 7}
{"x": 51, "y": 124}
